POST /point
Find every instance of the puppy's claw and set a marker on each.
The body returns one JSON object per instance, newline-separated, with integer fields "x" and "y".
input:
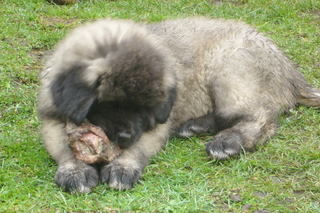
{"x": 119, "y": 177}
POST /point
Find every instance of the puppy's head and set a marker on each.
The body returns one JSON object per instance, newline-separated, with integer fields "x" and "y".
{"x": 116, "y": 75}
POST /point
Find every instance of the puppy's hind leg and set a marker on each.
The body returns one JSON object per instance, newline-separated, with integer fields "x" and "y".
{"x": 244, "y": 135}
{"x": 72, "y": 175}
{"x": 248, "y": 95}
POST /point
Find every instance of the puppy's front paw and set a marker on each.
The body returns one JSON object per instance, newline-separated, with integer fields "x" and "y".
{"x": 76, "y": 177}
{"x": 120, "y": 177}
{"x": 224, "y": 145}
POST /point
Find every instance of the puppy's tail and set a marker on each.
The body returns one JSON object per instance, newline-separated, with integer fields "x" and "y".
{"x": 309, "y": 96}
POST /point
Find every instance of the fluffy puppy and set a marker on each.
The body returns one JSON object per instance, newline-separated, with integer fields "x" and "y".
{"x": 142, "y": 83}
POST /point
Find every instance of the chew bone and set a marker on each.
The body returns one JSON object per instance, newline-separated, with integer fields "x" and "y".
{"x": 90, "y": 144}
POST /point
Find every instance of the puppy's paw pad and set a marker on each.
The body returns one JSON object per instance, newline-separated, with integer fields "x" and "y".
{"x": 77, "y": 178}
{"x": 223, "y": 146}
{"x": 119, "y": 177}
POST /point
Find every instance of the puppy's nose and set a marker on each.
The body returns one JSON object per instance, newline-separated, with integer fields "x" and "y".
{"x": 124, "y": 136}
{"x": 124, "y": 139}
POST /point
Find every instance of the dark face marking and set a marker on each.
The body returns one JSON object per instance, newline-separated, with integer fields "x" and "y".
{"x": 71, "y": 96}
{"x": 125, "y": 121}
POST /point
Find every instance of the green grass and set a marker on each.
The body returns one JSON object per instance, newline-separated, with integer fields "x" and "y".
{"x": 283, "y": 176}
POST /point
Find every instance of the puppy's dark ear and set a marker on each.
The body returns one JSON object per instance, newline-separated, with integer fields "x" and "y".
{"x": 162, "y": 111}
{"x": 72, "y": 96}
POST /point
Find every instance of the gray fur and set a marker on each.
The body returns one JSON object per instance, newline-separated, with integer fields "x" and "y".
{"x": 144, "y": 82}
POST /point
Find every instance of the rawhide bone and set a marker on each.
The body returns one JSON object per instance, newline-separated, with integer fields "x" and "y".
{"x": 90, "y": 144}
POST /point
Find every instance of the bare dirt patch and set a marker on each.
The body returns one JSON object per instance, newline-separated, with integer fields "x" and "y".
{"x": 52, "y": 21}
{"x": 234, "y": 2}
{"x": 315, "y": 13}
